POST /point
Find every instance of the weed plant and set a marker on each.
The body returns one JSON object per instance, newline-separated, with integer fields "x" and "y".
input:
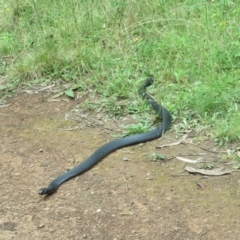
{"x": 191, "y": 46}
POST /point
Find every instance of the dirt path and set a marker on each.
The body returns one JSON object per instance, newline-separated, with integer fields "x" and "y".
{"x": 117, "y": 199}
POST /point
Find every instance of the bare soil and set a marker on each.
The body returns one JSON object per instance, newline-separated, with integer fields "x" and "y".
{"x": 126, "y": 196}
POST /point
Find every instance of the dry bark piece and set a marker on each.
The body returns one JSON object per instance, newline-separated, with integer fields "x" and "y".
{"x": 214, "y": 172}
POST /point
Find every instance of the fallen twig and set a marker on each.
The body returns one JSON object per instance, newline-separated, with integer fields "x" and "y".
{"x": 190, "y": 160}
{"x": 126, "y": 185}
{"x": 183, "y": 140}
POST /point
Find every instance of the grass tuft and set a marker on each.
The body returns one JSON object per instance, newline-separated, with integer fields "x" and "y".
{"x": 192, "y": 47}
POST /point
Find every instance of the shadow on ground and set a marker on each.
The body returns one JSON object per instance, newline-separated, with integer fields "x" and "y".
{"x": 126, "y": 196}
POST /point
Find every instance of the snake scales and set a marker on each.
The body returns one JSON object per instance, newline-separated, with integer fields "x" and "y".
{"x": 112, "y": 146}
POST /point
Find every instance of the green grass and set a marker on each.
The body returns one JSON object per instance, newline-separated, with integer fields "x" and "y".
{"x": 192, "y": 47}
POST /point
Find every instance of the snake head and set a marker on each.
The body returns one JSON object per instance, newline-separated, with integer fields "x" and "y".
{"x": 43, "y": 191}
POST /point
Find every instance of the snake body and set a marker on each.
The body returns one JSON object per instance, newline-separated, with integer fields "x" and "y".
{"x": 112, "y": 146}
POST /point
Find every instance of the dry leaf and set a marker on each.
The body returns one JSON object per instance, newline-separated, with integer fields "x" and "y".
{"x": 201, "y": 185}
{"x": 214, "y": 172}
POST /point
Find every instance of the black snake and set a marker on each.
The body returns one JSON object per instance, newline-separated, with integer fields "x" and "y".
{"x": 110, "y": 147}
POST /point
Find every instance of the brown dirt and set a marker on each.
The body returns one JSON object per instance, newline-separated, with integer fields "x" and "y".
{"x": 117, "y": 199}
